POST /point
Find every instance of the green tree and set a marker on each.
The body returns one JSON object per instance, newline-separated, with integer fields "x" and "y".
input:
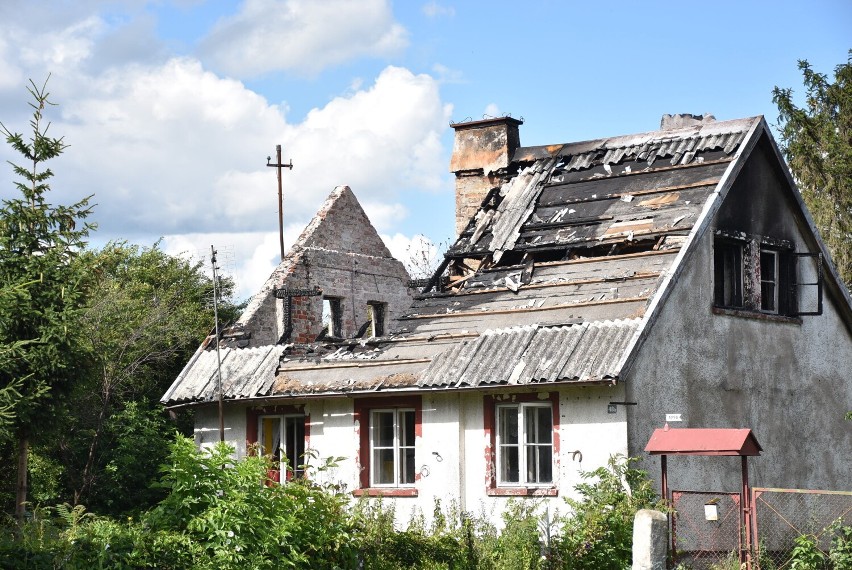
{"x": 38, "y": 244}
{"x": 817, "y": 142}
{"x": 146, "y": 315}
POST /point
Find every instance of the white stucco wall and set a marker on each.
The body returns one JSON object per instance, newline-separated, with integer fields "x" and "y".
{"x": 450, "y": 454}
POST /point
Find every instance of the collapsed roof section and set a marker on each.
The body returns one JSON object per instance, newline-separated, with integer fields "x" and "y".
{"x": 549, "y": 282}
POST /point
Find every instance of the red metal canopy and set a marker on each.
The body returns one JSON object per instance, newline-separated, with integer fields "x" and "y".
{"x": 703, "y": 441}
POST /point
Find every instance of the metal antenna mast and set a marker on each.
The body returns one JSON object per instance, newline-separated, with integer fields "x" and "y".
{"x": 279, "y": 165}
{"x": 218, "y": 353}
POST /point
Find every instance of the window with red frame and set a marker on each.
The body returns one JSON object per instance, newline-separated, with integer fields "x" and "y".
{"x": 388, "y": 429}
{"x": 524, "y": 433}
{"x": 280, "y": 433}
{"x": 524, "y": 444}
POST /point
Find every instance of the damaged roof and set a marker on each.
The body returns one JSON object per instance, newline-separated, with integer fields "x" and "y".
{"x": 551, "y": 281}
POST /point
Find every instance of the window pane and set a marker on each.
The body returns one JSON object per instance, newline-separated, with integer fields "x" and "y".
{"x": 539, "y": 464}
{"x": 295, "y": 447}
{"x": 406, "y": 432}
{"x": 270, "y": 436}
{"x": 383, "y": 467}
{"x": 507, "y": 429}
{"x": 509, "y": 464}
{"x": 406, "y": 469}
{"x": 767, "y": 296}
{"x": 538, "y": 424}
{"x": 383, "y": 429}
{"x": 769, "y": 281}
{"x": 767, "y": 265}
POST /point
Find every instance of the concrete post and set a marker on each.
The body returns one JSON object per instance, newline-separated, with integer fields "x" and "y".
{"x": 650, "y": 540}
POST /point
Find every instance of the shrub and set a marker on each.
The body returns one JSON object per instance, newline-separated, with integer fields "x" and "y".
{"x": 598, "y": 534}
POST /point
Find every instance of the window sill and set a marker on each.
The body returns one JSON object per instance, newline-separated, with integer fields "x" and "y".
{"x": 746, "y": 314}
{"x": 523, "y": 492}
{"x": 385, "y": 492}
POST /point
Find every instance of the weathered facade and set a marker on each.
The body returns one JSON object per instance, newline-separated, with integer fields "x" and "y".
{"x": 594, "y": 287}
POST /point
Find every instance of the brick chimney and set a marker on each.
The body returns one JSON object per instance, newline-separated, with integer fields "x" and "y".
{"x": 482, "y": 149}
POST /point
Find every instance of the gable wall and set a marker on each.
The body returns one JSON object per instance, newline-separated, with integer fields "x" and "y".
{"x": 787, "y": 381}
{"x": 341, "y": 253}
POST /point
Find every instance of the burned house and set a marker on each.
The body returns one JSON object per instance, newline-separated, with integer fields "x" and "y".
{"x": 594, "y": 287}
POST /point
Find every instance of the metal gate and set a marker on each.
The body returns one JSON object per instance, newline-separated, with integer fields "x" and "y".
{"x": 705, "y": 528}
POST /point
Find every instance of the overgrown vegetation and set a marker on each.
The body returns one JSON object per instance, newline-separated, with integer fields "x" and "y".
{"x": 218, "y": 513}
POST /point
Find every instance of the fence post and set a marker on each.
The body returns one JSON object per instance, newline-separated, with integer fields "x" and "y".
{"x": 650, "y": 540}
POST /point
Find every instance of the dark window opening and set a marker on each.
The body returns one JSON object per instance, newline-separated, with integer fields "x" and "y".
{"x": 760, "y": 274}
{"x": 376, "y": 318}
{"x": 728, "y": 274}
{"x": 332, "y": 316}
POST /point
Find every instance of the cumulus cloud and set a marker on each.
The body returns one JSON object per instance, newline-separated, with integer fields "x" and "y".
{"x": 171, "y": 149}
{"x": 302, "y": 35}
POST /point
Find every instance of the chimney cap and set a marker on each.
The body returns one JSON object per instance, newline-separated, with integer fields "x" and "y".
{"x": 467, "y": 124}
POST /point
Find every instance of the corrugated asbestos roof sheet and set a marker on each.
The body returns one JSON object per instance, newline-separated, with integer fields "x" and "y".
{"x": 246, "y": 373}
{"x": 527, "y": 354}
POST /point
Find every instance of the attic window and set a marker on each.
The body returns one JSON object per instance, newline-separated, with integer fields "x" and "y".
{"x": 759, "y": 274}
{"x": 332, "y": 316}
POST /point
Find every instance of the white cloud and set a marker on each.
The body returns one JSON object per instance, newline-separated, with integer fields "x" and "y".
{"x": 418, "y": 253}
{"x": 67, "y": 47}
{"x": 434, "y": 10}
{"x": 492, "y": 110}
{"x": 173, "y": 150}
{"x": 302, "y": 35}
{"x": 169, "y": 148}
{"x": 384, "y": 216}
{"x": 247, "y": 257}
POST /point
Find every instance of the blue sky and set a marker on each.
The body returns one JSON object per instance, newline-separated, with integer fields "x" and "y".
{"x": 171, "y": 107}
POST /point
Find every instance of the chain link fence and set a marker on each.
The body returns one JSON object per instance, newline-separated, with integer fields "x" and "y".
{"x": 783, "y": 515}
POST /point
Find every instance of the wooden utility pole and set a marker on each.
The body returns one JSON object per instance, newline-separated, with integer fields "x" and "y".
{"x": 279, "y": 165}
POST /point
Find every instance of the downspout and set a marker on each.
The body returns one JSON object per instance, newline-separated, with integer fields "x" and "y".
{"x": 462, "y": 454}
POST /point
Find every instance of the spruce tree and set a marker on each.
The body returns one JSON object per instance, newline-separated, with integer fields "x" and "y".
{"x": 816, "y": 139}
{"x": 39, "y": 245}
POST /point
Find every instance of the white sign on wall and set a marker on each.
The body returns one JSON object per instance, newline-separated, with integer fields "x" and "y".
{"x": 673, "y": 418}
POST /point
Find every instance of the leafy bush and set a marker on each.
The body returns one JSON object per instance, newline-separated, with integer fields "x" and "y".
{"x": 840, "y": 554}
{"x": 806, "y": 555}
{"x": 599, "y": 532}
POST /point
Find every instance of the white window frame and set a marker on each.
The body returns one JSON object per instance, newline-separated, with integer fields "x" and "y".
{"x": 773, "y": 279}
{"x": 397, "y": 447}
{"x": 523, "y": 445}
{"x": 283, "y": 461}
